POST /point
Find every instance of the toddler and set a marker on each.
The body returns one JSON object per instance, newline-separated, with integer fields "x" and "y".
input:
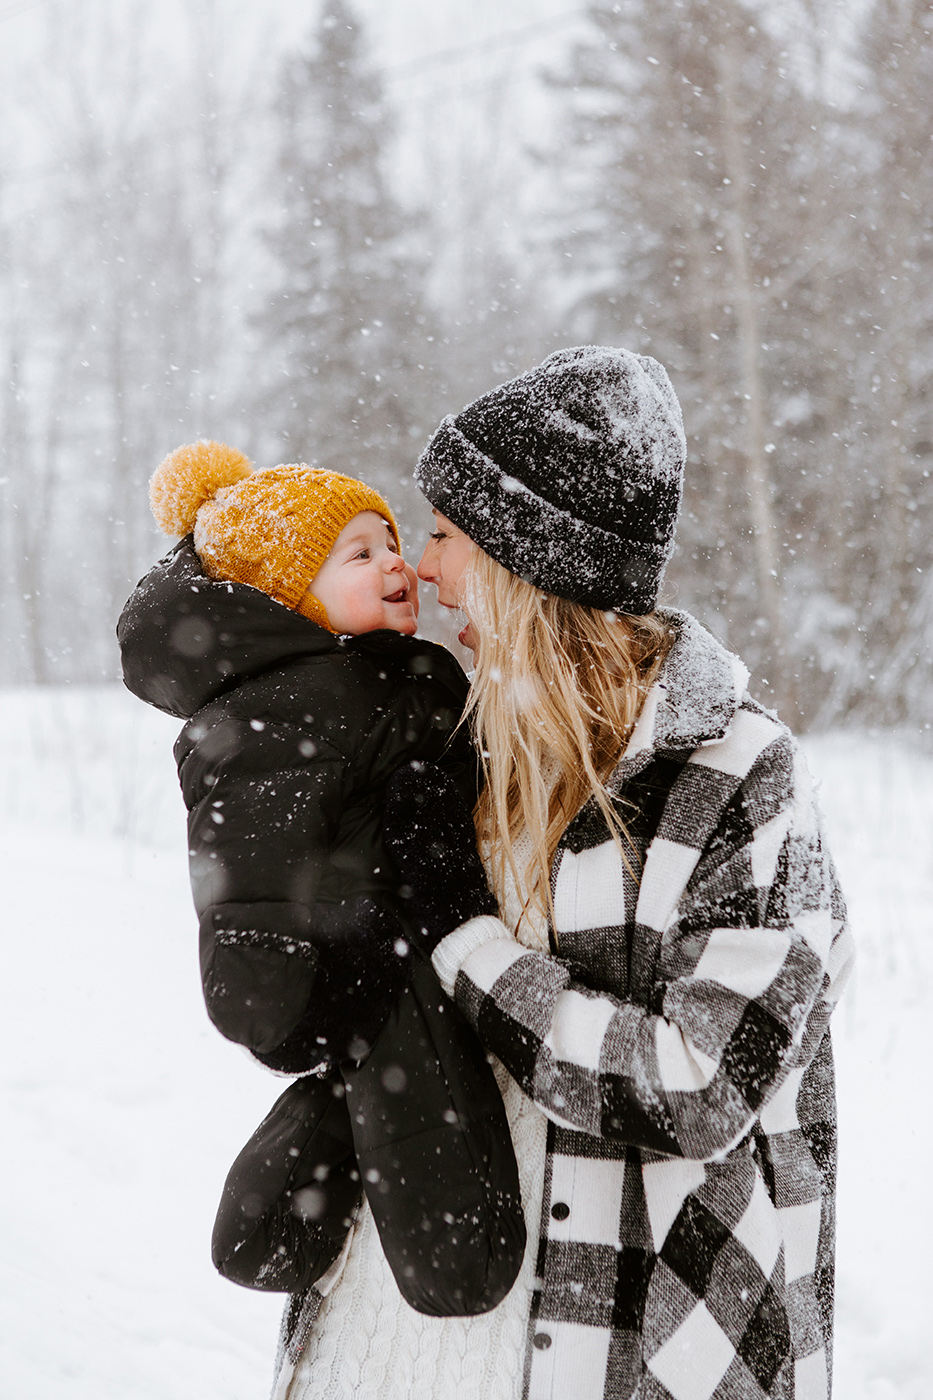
{"x": 282, "y": 629}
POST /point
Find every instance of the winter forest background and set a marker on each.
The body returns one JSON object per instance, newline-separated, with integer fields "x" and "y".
{"x": 311, "y": 228}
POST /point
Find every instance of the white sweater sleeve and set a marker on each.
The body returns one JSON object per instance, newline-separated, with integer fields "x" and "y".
{"x": 452, "y": 952}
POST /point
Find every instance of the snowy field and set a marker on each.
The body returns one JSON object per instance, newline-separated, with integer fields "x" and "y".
{"x": 123, "y": 1108}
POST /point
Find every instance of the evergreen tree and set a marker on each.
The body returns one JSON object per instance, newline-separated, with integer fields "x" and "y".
{"x": 699, "y": 235}
{"x": 893, "y": 249}
{"x": 347, "y": 333}
{"x": 98, "y": 337}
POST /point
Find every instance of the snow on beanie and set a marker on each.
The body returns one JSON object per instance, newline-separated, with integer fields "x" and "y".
{"x": 271, "y": 528}
{"x": 569, "y": 476}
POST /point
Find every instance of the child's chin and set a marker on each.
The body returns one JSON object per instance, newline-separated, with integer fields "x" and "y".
{"x": 407, "y": 626}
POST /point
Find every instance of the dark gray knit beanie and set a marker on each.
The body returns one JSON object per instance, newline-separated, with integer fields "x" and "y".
{"x": 569, "y": 476}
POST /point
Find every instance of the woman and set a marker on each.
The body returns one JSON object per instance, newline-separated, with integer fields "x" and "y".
{"x": 672, "y": 941}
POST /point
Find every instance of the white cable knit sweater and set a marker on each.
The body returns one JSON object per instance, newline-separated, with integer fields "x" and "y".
{"x": 368, "y": 1344}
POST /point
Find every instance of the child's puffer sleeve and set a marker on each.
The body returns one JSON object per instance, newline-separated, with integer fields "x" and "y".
{"x": 263, "y": 802}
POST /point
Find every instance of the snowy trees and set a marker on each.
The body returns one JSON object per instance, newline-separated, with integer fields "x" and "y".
{"x": 697, "y": 191}
{"x": 726, "y": 205}
{"x": 196, "y": 246}
{"x": 895, "y": 229}
{"x": 347, "y": 334}
{"x": 107, "y": 288}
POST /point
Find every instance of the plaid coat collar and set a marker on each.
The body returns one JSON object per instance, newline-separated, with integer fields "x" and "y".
{"x": 692, "y": 703}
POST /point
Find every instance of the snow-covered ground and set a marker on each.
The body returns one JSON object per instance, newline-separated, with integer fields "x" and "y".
{"x": 123, "y": 1108}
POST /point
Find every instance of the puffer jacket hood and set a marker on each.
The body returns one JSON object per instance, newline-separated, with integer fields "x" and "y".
{"x": 186, "y": 638}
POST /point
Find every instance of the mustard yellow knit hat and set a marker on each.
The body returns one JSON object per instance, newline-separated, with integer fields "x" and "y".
{"x": 271, "y": 528}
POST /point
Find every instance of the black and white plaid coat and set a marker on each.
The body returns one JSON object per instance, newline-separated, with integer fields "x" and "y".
{"x": 677, "y": 1039}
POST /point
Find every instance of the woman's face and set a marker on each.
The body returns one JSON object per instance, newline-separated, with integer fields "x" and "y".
{"x": 443, "y": 563}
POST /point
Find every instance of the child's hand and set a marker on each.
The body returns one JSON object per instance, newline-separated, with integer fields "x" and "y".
{"x": 431, "y": 837}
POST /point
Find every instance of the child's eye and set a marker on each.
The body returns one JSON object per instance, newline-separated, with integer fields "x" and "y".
{"x": 363, "y": 554}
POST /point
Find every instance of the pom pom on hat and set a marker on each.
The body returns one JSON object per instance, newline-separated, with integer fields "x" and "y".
{"x": 188, "y": 477}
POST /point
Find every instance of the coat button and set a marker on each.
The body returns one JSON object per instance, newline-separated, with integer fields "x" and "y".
{"x": 560, "y": 1210}
{"x": 542, "y": 1340}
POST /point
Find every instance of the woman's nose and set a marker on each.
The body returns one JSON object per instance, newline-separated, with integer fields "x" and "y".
{"x": 426, "y": 563}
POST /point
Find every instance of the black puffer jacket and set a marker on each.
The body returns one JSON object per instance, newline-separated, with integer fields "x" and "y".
{"x": 292, "y": 734}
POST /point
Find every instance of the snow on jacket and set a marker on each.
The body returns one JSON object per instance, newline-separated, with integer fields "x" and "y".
{"x": 291, "y": 735}
{"x": 677, "y": 1039}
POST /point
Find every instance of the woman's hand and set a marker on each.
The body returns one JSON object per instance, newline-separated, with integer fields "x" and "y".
{"x": 431, "y": 838}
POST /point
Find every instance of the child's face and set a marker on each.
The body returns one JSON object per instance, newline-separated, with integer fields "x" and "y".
{"x": 364, "y": 583}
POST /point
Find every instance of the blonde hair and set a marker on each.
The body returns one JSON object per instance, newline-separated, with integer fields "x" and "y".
{"x": 555, "y": 696}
